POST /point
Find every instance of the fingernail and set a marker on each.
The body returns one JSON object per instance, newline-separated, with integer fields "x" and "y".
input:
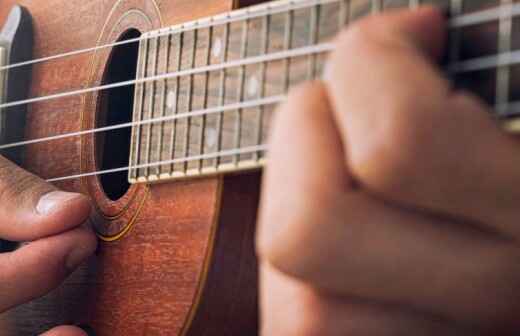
{"x": 51, "y": 201}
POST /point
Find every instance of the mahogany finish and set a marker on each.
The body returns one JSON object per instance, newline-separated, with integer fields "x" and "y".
{"x": 186, "y": 265}
{"x": 150, "y": 281}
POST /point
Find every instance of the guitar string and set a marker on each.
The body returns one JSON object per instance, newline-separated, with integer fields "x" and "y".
{"x": 276, "y": 56}
{"x": 209, "y": 156}
{"x": 198, "y": 113}
{"x": 457, "y": 22}
{"x": 258, "y": 148}
{"x": 221, "y": 19}
{"x": 471, "y": 65}
{"x": 481, "y": 63}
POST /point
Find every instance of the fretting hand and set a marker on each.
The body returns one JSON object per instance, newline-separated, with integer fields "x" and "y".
{"x": 391, "y": 202}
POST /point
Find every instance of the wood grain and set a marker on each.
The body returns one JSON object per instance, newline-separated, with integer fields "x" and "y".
{"x": 148, "y": 282}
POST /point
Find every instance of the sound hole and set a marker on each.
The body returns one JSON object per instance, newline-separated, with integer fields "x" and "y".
{"x": 115, "y": 107}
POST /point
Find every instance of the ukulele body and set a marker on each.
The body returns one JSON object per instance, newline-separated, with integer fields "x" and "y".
{"x": 175, "y": 258}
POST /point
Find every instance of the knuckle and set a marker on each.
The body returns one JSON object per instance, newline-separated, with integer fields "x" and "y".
{"x": 392, "y": 149}
{"x": 296, "y": 247}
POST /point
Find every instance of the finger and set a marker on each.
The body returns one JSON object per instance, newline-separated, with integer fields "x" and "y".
{"x": 409, "y": 137}
{"x": 316, "y": 226}
{"x": 38, "y": 267}
{"x": 65, "y": 331}
{"x": 292, "y": 308}
{"x": 31, "y": 208}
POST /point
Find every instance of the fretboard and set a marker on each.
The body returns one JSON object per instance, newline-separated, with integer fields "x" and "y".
{"x": 211, "y": 86}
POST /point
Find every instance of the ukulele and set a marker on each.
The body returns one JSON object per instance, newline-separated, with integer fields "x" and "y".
{"x": 159, "y": 111}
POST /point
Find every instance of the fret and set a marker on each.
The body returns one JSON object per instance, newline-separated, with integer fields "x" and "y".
{"x": 329, "y": 25}
{"x": 344, "y": 10}
{"x": 313, "y": 39}
{"x": 147, "y": 133}
{"x": 187, "y": 94}
{"x": 241, "y": 83}
{"x": 301, "y": 33}
{"x": 205, "y": 93}
{"x": 504, "y": 72}
{"x": 360, "y": 9}
{"x": 138, "y": 110}
{"x": 145, "y": 114}
{"x": 286, "y": 46}
{"x": 174, "y": 100}
{"x": 263, "y": 69}
{"x": 155, "y": 111}
{"x": 222, "y": 91}
{"x": 163, "y": 105}
{"x": 142, "y": 110}
{"x": 377, "y": 6}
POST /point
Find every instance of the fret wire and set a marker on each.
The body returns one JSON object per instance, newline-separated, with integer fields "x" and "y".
{"x": 503, "y": 73}
{"x": 138, "y": 112}
{"x": 344, "y": 9}
{"x": 207, "y": 60}
{"x": 287, "y": 45}
{"x": 151, "y": 106}
{"x": 263, "y": 70}
{"x": 189, "y": 96}
{"x": 173, "y": 139}
{"x": 231, "y": 152}
{"x": 141, "y": 107}
{"x": 377, "y": 6}
{"x": 164, "y": 93}
{"x": 222, "y": 90}
{"x": 242, "y": 74}
{"x": 313, "y": 39}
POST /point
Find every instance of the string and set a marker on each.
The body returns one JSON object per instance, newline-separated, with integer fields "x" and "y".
{"x": 199, "y": 113}
{"x": 460, "y": 21}
{"x": 231, "y": 152}
{"x": 485, "y": 62}
{"x": 229, "y": 17}
{"x": 504, "y": 11}
{"x": 297, "y": 52}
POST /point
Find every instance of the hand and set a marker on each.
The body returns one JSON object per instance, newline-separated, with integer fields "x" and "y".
{"x": 391, "y": 202}
{"x": 34, "y": 211}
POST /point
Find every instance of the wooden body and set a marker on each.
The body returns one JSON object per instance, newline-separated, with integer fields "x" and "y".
{"x": 182, "y": 260}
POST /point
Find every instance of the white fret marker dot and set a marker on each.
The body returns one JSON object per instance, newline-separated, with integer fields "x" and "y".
{"x": 252, "y": 87}
{"x": 217, "y": 47}
{"x": 170, "y": 100}
{"x": 211, "y": 138}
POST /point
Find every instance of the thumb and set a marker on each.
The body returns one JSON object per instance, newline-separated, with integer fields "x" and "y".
{"x": 31, "y": 208}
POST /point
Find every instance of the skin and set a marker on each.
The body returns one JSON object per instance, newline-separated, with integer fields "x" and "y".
{"x": 390, "y": 208}
{"x": 50, "y": 222}
{"x": 390, "y": 203}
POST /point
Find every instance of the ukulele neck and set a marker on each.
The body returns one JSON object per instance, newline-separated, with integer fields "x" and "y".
{"x": 207, "y": 89}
